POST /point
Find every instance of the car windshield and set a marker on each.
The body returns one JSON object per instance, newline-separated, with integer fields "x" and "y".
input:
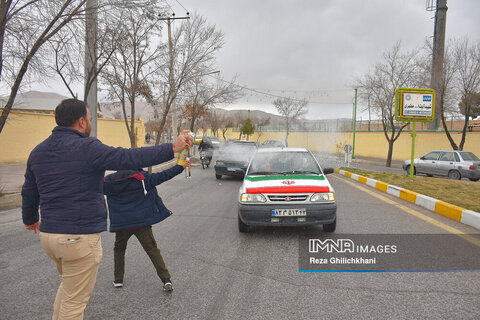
{"x": 468, "y": 156}
{"x": 240, "y": 148}
{"x": 271, "y": 163}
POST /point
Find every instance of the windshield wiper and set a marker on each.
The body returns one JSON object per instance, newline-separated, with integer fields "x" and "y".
{"x": 300, "y": 172}
{"x": 264, "y": 173}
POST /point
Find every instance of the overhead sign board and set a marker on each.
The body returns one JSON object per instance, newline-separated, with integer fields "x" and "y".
{"x": 413, "y": 104}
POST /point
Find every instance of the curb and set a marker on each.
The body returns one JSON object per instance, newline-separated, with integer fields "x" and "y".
{"x": 10, "y": 201}
{"x": 448, "y": 210}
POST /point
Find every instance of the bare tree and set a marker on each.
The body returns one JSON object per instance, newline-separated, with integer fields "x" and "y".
{"x": 215, "y": 121}
{"x": 225, "y": 123}
{"x": 291, "y": 109}
{"x": 204, "y": 95}
{"x": 130, "y": 72}
{"x": 190, "y": 54}
{"x": 69, "y": 51}
{"x": 446, "y": 95}
{"x": 396, "y": 71}
{"x": 474, "y": 108}
{"x": 25, "y": 26}
{"x": 467, "y": 57}
{"x": 259, "y": 126}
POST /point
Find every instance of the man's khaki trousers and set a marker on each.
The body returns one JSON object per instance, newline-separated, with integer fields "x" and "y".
{"x": 77, "y": 257}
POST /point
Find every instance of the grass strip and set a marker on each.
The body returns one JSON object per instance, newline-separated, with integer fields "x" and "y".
{"x": 465, "y": 194}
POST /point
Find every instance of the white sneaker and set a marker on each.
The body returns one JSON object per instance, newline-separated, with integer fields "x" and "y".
{"x": 167, "y": 285}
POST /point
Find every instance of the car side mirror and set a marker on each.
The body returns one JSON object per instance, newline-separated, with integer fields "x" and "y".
{"x": 422, "y": 158}
{"x": 328, "y": 170}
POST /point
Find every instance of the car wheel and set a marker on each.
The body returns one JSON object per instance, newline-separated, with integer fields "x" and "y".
{"x": 330, "y": 227}
{"x": 429, "y": 175}
{"x": 455, "y": 175}
{"x": 218, "y": 176}
{"x": 242, "y": 227}
{"x": 474, "y": 179}
{"x": 408, "y": 170}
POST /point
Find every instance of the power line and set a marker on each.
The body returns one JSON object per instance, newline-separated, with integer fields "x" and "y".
{"x": 173, "y": 12}
{"x": 188, "y": 13}
{"x": 277, "y": 96}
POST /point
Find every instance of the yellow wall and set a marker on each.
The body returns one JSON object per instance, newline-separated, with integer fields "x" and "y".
{"x": 24, "y": 131}
{"x": 368, "y": 144}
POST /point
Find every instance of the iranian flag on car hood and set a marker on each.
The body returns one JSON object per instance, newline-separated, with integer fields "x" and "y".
{"x": 286, "y": 184}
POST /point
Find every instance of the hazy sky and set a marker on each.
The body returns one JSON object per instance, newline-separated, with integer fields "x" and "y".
{"x": 314, "y": 49}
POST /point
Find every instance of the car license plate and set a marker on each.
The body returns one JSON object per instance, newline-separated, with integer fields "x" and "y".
{"x": 289, "y": 212}
{"x": 231, "y": 169}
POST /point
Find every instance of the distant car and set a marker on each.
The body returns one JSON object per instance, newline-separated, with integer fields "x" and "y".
{"x": 233, "y": 158}
{"x": 452, "y": 164}
{"x": 271, "y": 144}
{"x": 286, "y": 187}
{"x": 215, "y": 142}
{"x": 198, "y": 139}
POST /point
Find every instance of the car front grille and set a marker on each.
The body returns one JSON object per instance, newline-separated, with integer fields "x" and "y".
{"x": 288, "y": 198}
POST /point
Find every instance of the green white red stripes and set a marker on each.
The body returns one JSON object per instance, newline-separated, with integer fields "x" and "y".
{"x": 284, "y": 177}
{"x": 286, "y": 184}
{"x": 299, "y": 189}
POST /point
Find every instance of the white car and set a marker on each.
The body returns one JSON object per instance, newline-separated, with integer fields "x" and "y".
{"x": 286, "y": 187}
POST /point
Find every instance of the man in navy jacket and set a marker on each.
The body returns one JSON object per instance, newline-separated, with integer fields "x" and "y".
{"x": 134, "y": 206}
{"x": 64, "y": 178}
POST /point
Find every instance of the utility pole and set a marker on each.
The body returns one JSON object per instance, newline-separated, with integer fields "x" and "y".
{"x": 164, "y": 107}
{"x": 171, "y": 79}
{"x": 438, "y": 55}
{"x": 90, "y": 60}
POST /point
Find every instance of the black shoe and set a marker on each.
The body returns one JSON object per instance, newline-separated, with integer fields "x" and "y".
{"x": 167, "y": 285}
{"x": 118, "y": 283}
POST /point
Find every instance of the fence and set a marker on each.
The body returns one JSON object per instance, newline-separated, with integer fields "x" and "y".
{"x": 346, "y": 125}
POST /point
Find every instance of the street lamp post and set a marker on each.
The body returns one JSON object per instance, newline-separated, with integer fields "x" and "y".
{"x": 354, "y": 123}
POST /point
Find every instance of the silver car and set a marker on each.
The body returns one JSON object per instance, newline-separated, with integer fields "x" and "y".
{"x": 453, "y": 164}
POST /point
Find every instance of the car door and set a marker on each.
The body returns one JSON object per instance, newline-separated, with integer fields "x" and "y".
{"x": 445, "y": 163}
{"x": 427, "y": 163}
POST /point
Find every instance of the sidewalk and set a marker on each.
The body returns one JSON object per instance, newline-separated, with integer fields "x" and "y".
{"x": 377, "y": 165}
{"x": 12, "y": 176}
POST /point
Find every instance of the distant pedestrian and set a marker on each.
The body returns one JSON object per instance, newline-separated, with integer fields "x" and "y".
{"x": 64, "y": 177}
{"x": 134, "y": 206}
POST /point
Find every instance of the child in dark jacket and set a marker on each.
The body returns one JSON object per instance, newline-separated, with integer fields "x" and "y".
{"x": 134, "y": 206}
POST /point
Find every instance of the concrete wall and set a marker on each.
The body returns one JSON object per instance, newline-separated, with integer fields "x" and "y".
{"x": 24, "y": 131}
{"x": 368, "y": 144}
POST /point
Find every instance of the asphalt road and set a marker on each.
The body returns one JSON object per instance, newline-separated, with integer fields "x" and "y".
{"x": 219, "y": 273}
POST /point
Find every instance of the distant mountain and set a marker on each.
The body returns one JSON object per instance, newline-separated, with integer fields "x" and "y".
{"x": 42, "y": 95}
{"x": 114, "y": 110}
{"x": 38, "y": 100}
{"x": 257, "y": 116}
{"x": 35, "y": 100}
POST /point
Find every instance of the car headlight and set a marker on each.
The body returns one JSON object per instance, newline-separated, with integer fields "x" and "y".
{"x": 319, "y": 197}
{"x": 247, "y": 197}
